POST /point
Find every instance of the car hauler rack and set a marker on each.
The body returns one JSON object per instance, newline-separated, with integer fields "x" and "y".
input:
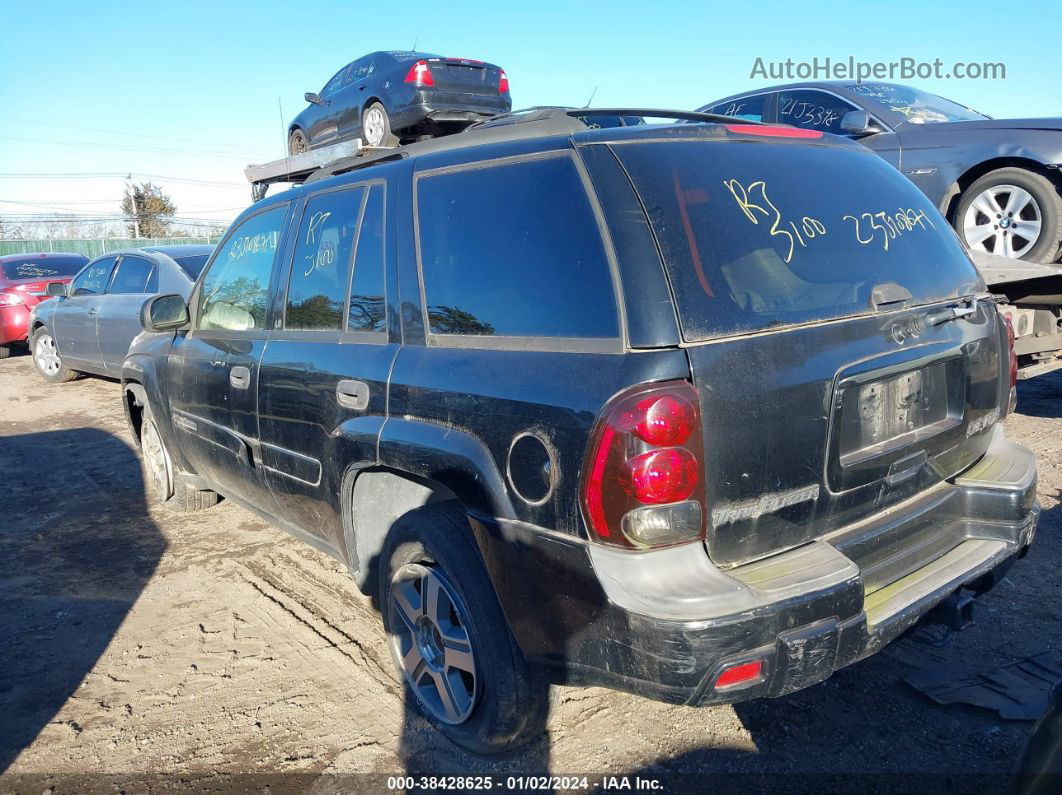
{"x": 296, "y": 168}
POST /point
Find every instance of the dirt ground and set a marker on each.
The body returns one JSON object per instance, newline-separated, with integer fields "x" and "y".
{"x": 141, "y": 649}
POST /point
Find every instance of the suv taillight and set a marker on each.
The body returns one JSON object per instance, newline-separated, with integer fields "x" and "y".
{"x": 643, "y": 483}
{"x": 1013, "y": 401}
{"x": 11, "y": 299}
{"x": 420, "y": 73}
{"x": 503, "y": 82}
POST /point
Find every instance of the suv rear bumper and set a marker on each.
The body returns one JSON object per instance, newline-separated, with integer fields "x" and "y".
{"x": 665, "y": 624}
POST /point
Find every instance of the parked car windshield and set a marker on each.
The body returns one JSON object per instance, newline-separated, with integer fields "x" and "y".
{"x": 51, "y": 267}
{"x": 910, "y": 104}
{"x": 192, "y": 265}
{"x": 766, "y": 234}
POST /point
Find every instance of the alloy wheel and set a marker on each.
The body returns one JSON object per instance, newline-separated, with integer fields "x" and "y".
{"x": 47, "y": 355}
{"x": 431, "y": 643}
{"x": 1004, "y": 220}
{"x": 374, "y": 127}
{"x": 157, "y": 463}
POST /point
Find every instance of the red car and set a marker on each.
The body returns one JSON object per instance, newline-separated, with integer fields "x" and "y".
{"x": 24, "y": 280}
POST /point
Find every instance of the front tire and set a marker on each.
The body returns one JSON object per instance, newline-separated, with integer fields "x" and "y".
{"x": 1011, "y": 212}
{"x": 297, "y": 143}
{"x": 376, "y": 127}
{"x": 448, "y": 636}
{"x": 5, "y": 351}
{"x": 48, "y": 359}
{"x": 164, "y": 484}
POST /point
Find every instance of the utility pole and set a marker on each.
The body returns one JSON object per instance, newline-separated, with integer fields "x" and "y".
{"x": 136, "y": 210}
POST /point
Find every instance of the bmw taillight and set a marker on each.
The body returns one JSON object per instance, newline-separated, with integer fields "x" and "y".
{"x": 503, "y": 82}
{"x": 420, "y": 74}
{"x": 11, "y": 299}
{"x": 643, "y": 483}
{"x": 1013, "y": 398}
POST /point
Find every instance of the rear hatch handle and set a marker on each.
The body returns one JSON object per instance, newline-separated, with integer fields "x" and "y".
{"x": 887, "y": 294}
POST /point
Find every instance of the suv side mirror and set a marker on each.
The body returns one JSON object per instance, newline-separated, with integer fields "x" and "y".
{"x": 57, "y": 289}
{"x": 309, "y": 96}
{"x": 857, "y": 122}
{"x": 164, "y": 313}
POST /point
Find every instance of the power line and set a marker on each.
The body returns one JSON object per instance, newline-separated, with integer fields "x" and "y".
{"x": 118, "y": 132}
{"x": 118, "y": 148}
{"x": 117, "y": 175}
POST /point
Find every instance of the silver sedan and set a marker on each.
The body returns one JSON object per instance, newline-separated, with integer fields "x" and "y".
{"x": 89, "y": 325}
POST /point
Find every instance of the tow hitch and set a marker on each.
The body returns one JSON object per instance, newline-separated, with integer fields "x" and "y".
{"x": 956, "y": 612}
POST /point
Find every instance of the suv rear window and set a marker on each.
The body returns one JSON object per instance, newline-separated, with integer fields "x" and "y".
{"x": 756, "y": 234}
{"x": 514, "y": 250}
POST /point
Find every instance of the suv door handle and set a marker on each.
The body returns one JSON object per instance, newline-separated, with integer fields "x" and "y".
{"x": 91, "y": 312}
{"x": 240, "y": 377}
{"x": 353, "y": 394}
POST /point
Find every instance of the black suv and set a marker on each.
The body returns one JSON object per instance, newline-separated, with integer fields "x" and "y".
{"x": 700, "y": 411}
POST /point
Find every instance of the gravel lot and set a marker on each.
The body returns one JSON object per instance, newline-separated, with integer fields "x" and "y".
{"x": 143, "y": 646}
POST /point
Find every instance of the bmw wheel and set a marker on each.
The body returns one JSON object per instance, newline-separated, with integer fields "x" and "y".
{"x": 448, "y": 636}
{"x": 376, "y": 127}
{"x": 1012, "y": 212}
{"x": 48, "y": 359}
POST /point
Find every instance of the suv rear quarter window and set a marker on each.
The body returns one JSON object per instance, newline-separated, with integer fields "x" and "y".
{"x": 513, "y": 249}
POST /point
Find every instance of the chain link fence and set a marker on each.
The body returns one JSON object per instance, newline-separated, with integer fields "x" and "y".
{"x": 93, "y": 247}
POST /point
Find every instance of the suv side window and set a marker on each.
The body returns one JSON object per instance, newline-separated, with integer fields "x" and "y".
{"x": 367, "y": 308}
{"x": 750, "y": 108}
{"x": 320, "y": 266}
{"x": 134, "y": 275}
{"x": 93, "y": 280}
{"x": 235, "y": 291}
{"x": 815, "y": 110}
{"x": 514, "y": 250}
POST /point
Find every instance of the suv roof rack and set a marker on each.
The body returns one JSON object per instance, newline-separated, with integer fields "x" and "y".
{"x": 540, "y": 120}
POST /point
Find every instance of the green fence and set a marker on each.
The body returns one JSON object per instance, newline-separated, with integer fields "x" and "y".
{"x": 93, "y": 247}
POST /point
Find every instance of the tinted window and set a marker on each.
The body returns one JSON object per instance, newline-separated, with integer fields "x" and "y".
{"x": 361, "y": 69}
{"x": 514, "y": 250}
{"x": 334, "y": 84}
{"x": 132, "y": 275}
{"x": 815, "y": 110}
{"x": 763, "y": 234}
{"x": 93, "y": 280}
{"x": 750, "y": 108}
{"x": 193, "y": 266}
{"x": 320, "y": 268}
{"x": 367, "y": 307}
{"x": 43, "y": 268}
{"x": 235, "y": 291}
{"x": 910, "y": 104}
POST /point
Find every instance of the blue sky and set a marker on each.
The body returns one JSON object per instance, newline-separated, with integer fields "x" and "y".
{"x": 191, "y": 90}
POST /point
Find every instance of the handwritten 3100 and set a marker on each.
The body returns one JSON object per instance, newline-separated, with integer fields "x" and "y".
{"x": 870, "y": 228}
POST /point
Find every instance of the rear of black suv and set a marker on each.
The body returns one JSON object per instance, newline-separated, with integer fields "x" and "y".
{"x": 833, "y": 466}
{"x": 702, "y": 411}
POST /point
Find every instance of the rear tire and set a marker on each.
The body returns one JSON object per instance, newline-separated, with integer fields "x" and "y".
{"x": 501, "y": 703}
{"x": 376, "y": 127}
{"x": 5, "y": 351}
{"x": 47, "y": 359}
{"x": 993, "y": 211}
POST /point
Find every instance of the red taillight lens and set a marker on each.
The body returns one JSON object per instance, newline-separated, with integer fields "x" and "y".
{"x": 662, "y": 476}
{"x": 11, "y": 299}
{"x": 503, "y": 82}
{"x": 420, "y": 73}
{"x": 740, "y": 674}
{"x": 1010, "y": 347}
{"x": 643, "y": 482}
